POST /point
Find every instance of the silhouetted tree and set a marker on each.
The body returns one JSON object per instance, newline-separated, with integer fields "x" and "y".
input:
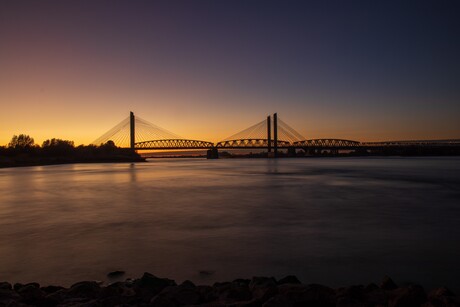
{"x": 21, "y": 141}
{"x": 58, "y": 147}
{"x": 109, "y": 147}
{"x": 22, "y": 151}
{"x": 109, "y": 144}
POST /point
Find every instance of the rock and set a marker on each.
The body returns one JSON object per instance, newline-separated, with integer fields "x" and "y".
{"x": 78, "y": 301}
{"x": 85, "y": 289}
{"x": 188, "y": 284}
{"x": 17, "y": 286}
{"x": 31, "y": 294}
{"x": 57, "y": 296}
{"x": 323, "y": 295}
{"x": 278, "y": 301}
{"x": 262, "y": 282}
{"x": 263, "y": 288}
{"x": 151, "y": 281}
{"x": 350, "y": 296}
{"x": 377, "y": 297}
{"x": 413, "y": 295}
{"x": 149, "y": 286}
{"x": 51, "y": 289}
{"x": 118, "y": 300}
{"x": 263, "y": 294}
{"x": 301, "y": 295}
{"x": 5, "y": 285}
{"x": 161, "y": 301}
{"x": 221, "y": 284}
{"x": 388, "y": 284}
{"x": 207, "y": 293}
{"x": 115, "y": 274}
{"x": 350, "y": 302}
{"x": 242, "y": 282}
{"x": 118, "y": 289}
{"x": 8, "y": 294}
{"x": 250, "y": 303}
{"x": 33, "y": 284}
{"x": 442, "y": 297}
{"x": 181, "y": 295}
{"x": 232, "y": 292}
{"x": 186, "y": 296}
{"x": 290, "y": 279}
{"x": 371, "y": 287}
{"x": 259, "y": 291}
{"x": 441, "y": 291}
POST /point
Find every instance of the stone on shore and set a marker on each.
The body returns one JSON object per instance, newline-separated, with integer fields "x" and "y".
{"x": 115, "y": 274}
{"x": 5, "y": 285}
{"x": 149, "y": 285}
{"x": 290, "y": 279}
{"x": 388, "y": 284}
{"x": 150, "y": 290}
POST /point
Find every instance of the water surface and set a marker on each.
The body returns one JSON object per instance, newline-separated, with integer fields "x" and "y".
{"x": 336, "y": 221}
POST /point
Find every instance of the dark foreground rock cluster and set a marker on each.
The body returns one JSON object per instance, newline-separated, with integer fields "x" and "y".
{"x": 150, "y": 290}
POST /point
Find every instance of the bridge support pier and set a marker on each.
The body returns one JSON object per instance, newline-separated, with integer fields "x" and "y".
{"x": 312, "y": 151}
{"x": 212, "y": 153}
{"x": 291, "y": 152}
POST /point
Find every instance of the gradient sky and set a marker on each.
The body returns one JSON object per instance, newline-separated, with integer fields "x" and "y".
{"x": 363, "y": 70}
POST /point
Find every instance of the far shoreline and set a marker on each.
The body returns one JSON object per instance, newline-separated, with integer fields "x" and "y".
{"x": 15, "y": 164}
{"x": 23, "y": 163}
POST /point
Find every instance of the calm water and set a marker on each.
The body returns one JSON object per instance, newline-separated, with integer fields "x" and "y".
{"x": 331, "y": 221}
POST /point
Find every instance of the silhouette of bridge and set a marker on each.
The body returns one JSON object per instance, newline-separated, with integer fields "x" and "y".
{"x": 139, "y": 134}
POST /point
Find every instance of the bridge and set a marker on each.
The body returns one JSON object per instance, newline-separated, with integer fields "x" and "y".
{"x": 270, "y": 134}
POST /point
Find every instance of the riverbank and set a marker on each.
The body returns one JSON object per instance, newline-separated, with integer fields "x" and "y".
{"x": 7, "y": 162}
{"x": 58, "y": 162}
{"x": 57, "y": 151}
{"x": 150, "y": 290}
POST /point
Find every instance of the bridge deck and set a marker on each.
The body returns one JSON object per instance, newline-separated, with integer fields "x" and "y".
{"x": 335, "y": 144}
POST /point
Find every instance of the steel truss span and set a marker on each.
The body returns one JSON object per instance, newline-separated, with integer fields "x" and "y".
{"x": 174, "y": 144}
{"x": 327, "y": 143}
{"x": 419, "y": 143}
{"x": 250, "y": 143}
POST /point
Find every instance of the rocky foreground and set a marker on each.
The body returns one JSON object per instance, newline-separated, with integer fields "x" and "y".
{"x": 150, "y": 290}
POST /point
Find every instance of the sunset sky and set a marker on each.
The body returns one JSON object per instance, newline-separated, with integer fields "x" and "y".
{"x": 361, "y": 70}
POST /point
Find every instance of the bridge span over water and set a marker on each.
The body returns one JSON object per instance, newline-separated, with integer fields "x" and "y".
{"x": 270, "y": 134}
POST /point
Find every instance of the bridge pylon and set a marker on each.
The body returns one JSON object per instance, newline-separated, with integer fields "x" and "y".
{"x": 132, "y": 133}
{"x": 275, "y": 134}
{"x": 269, "y": 134}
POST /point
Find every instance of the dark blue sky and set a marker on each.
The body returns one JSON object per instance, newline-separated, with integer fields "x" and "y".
{"x": 366, "y": 70}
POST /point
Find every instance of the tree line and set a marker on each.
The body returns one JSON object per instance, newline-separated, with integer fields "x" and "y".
{"x": 23, "y": 150}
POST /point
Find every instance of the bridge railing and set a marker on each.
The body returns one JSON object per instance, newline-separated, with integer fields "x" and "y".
{"x": 327, "y": 143}
{"x": 174, "y": 144}
{"x": 251, "y": 143}
{"x": 422, "y": 143}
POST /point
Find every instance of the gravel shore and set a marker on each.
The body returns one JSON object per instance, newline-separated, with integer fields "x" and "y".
{"x": 150, "y": 290}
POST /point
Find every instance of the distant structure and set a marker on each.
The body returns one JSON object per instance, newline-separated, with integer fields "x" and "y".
{"x": 275, "y": 134}
{"x": 138, "y": 134}
{"x": 132, "y": 127}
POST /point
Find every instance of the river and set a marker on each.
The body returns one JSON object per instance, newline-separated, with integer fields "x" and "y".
{"x": 335, "y": 221}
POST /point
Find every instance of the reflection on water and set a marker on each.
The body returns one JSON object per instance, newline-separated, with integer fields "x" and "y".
{"x": 331, "y": 221}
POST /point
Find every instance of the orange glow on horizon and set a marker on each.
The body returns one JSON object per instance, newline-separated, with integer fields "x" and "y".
{"x": 73, "y": 73}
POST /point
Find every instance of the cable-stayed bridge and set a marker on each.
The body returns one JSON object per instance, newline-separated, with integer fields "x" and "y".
{"x": 271, "y": 134}
{"x": 139, "y": 134}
